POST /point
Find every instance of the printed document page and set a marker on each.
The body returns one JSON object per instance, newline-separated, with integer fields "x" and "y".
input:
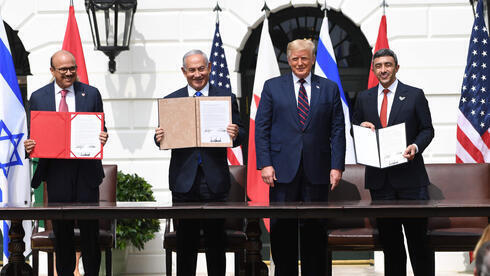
{"x": 392, "y": 144}
{"x": 85, "y": 130}
{"x": 214, "y": 119}
{"x": 366, "y": 146}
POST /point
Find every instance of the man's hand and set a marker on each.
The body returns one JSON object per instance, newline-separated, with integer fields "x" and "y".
{"x": 335, "y": 176}
{"x": 29, "y": 145}
{"x": 410, "y": 152}
{"x": 232, "y": 130}
{"x": 103, "y": 136}
{"x": 368, "y": 125}
{"x": 268, "y": 175}
{"x": 159, "y": 134}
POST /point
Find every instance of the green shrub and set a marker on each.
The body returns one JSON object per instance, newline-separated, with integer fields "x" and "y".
{"x": 134, "y": 231}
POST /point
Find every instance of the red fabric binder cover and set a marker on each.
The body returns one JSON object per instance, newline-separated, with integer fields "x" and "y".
{"x": 52, "y": 133}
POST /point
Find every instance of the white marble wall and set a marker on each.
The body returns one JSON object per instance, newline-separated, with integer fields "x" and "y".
{"x": 429, "y": 36}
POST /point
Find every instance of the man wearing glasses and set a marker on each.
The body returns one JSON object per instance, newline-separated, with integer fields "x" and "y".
{"x": 75, "y": 180}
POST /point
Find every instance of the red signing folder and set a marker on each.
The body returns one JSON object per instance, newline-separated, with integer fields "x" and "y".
{"x": 67, "y": 135}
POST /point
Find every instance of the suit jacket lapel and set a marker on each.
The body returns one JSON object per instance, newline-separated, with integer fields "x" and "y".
{"x": 401, "y": 93}
{"x": 212, "y": 91}
{"x": 51, "y": 98}
{"x": 181, "y": 93}
{"x": 315, "y": 94}
{"x": 79, "y": 97}
{"x": 372, "y": 104}
{"x": 290, "y": 98}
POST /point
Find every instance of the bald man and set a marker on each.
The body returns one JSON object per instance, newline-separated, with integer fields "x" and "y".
{"x": 74, "y": 180}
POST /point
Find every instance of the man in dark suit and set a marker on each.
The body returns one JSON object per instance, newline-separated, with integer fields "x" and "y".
{"x": 300, "y": 148}
{"x": 70, "y": 180}
{"x": 391, "y": 103}
{"x": 201, "y": 174}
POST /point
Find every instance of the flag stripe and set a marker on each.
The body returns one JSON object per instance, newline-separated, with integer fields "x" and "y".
{"x": 470, "y": 132}
{"x": 468, "y": 146}
{"x": 7, "y": 70}
{"x": 486, "y": 139}
{"x": 463, "y": 155}
{"x": 458, "y": 160}
{"x": 326, "y": 62}
{"x": 473, "y": 138}
{"x": 232, "y": 159}
{"x": 6, "y": 239}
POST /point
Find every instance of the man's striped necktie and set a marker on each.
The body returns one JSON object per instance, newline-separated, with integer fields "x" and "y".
{"x": 303, "y": 106}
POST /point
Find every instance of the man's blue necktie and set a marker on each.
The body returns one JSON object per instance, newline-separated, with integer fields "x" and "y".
{"x": 199, "y": 159}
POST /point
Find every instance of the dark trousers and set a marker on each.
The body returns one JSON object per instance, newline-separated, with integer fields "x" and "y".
{"x": 312, "y": 242}
{"x": 189, "y": 232}
{"x": 65, "y": 250}
{"x": 64, "y": 186}
{"x": 391, "y": 235}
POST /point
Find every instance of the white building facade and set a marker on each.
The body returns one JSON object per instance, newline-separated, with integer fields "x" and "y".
{"x": 430, "y": 38}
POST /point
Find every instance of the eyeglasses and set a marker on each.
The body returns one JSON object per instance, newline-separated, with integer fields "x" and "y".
{"x": 63, "y": 70}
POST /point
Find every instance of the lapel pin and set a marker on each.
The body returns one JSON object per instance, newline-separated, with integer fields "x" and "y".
{"x": 401, "y": 98}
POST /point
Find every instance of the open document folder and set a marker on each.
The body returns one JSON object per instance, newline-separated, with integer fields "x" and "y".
{"x": 67, "y": 135}
{"x": 380, "y": 148}
{"x": 195, "y": 122}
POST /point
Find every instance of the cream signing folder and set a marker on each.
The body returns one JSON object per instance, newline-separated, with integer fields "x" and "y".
{"x": 195, "y": 122}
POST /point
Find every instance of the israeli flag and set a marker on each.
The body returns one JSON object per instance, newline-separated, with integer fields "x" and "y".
{"x": 326, "y": 66}
{"x": 15, "y": 171}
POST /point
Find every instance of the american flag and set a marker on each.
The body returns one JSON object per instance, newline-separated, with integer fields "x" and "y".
{"x": 220, "y": 77}
{"x": 473, "y": 133}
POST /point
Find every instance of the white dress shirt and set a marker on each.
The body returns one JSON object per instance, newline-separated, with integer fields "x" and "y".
{"x": 70, "y": 97}
{"x": 390, "y": 95}
{"x": 205, "y": 90}
{"x": 307, "y": 86}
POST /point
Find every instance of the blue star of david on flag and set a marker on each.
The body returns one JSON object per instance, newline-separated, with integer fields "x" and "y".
{"x": 7, "y": 139}
{"x": 15, "y": 187}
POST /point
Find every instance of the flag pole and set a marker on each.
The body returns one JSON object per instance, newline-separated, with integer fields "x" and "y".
{"x": 265, "y": 8}
{"x": 384, "y": 5}
{"x": 71, "y": 2}
{"x": 472, "y": 3}
{"x": 217, "y": 9}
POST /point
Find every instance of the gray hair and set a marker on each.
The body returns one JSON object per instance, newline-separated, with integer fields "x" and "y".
{"x": 385, "y": 53}
{"x": 194, "y": 52}
{"x": 482, "y": 260}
